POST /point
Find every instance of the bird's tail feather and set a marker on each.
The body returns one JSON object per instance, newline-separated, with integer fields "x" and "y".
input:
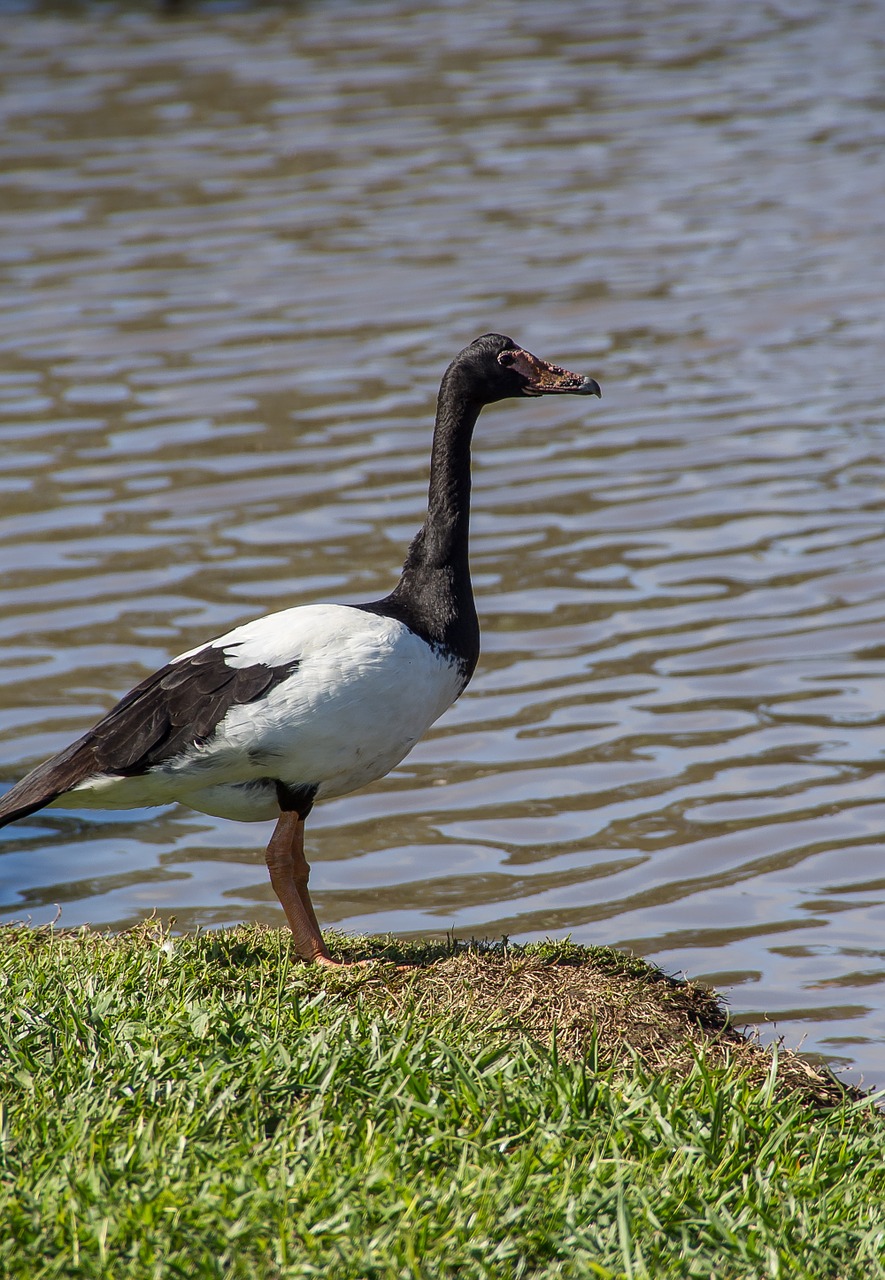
{"x": 42, "y": 785}
{"x": 24, "y": 800}
{"x": 11, "y": 813}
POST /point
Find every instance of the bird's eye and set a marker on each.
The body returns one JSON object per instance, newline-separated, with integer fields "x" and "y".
{"x": 506, "y": 358}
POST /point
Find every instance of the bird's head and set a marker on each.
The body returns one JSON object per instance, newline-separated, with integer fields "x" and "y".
{"x": 500, "y": 370}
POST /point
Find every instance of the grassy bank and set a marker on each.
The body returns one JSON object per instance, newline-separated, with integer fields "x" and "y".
{"x": 203, "y": 1106}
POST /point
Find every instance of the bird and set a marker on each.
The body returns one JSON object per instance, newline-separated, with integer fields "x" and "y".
{"x": 316, "y": 700}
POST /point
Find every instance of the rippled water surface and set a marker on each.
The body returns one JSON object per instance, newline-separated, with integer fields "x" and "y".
{"x": 238, "y": 248}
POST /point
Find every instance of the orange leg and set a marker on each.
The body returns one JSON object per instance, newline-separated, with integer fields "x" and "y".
{"x": 289, "y": 873}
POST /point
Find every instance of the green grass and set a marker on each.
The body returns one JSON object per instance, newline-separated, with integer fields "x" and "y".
{"x": 202, "y": 1106}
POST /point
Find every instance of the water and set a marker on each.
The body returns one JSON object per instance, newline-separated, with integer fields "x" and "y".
{"x": 239, "y": 247}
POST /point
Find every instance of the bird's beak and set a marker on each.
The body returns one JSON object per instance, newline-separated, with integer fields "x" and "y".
{"x": 543, "y": 379}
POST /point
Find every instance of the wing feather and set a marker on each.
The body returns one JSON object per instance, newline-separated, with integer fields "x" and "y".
{"x": 182, "y": 703}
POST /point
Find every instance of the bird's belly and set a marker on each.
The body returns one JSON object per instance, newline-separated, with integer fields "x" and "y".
{"x": 258, "y": 800}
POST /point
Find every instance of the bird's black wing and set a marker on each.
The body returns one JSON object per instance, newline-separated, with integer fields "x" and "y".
{"x": 177, "y": 706}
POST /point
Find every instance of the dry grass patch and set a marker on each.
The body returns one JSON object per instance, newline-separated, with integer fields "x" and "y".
{"x": 585, "y": 1000}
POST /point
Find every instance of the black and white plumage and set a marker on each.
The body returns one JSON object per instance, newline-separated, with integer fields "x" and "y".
{"x": 314, "y": 701}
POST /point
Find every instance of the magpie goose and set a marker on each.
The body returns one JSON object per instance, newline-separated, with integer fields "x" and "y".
{"x": 317, "y": 700}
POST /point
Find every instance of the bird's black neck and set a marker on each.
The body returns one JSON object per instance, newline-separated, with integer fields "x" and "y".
{"x": 434, "y": 596}
{"x": 443, "y": 541}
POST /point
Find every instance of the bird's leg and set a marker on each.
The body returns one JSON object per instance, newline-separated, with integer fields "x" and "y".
{"x": 289, "y": 874}
{"x": 301, "y": 869}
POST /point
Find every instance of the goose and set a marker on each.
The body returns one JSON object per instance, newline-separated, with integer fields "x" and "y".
{"x": 314, "y": 701}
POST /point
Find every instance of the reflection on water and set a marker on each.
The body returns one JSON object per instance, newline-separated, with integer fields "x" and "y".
{"x": 239, "y": 248}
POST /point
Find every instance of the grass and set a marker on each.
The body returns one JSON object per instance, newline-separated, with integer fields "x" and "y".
{"x": 202, "y": 1106}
